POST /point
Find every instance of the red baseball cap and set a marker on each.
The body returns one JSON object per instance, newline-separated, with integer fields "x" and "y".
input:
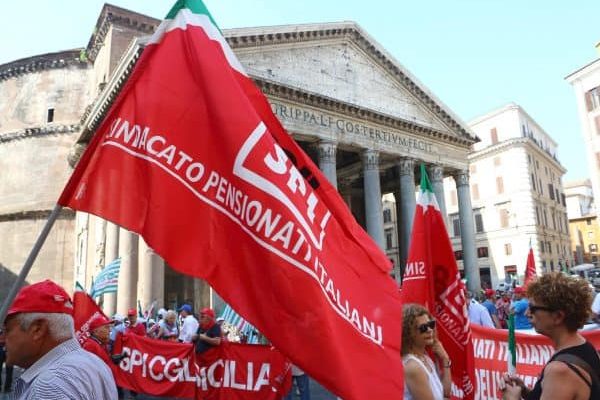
{"x": 42, "y": 297}
{"x": 519, "y": 290}
{"x": 490, "y": 293}
{"x": 208, "y": 311}
{"x": 98, "y": 321}
{"x": 131, "y": 311}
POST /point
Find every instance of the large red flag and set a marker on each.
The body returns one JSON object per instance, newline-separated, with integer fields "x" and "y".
{"x": 431, "y": 278}
{"x": 530, "y": 271}
{"x": 191, "y": 158}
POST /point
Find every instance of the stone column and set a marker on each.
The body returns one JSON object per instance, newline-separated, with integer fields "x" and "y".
{"x": 111, "y": 253}
{"x": 436, "y": 176}
{"x": 128, "y": 273}
{"x": 327, "y": 160}
{"x": 372, "y": 185}
{"x": 151, "y": 280}
{"x": 408, "y": 203}
{"x": 401, "y": 264}
{"x": 467, "y": 230}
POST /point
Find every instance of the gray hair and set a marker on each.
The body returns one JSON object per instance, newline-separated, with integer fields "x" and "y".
{"x": 171, "y": 313}
{"x": 60, "y": 326}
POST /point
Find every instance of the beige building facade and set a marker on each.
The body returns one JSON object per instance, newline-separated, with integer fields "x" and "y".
{"x": 361, "y": 116}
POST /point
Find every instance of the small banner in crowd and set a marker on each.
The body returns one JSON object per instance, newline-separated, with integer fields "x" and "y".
{"x": 231, "y": 371}
{"x": 492, "y": 351}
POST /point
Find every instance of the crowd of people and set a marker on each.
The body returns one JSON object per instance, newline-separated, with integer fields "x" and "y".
{"x": 39, "y": 337}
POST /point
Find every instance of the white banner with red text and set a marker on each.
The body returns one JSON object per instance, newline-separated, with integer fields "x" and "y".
{"x": 491, "y": 353}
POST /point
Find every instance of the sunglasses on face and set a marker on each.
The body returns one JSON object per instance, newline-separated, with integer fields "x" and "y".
{"x": 533, "y": 309}
{"x": 427, "y": 325}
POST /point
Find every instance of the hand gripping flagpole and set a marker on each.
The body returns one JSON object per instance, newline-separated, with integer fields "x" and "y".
{"x": 29, "y": 262}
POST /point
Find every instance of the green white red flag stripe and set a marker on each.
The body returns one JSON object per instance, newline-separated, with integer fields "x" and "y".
{"x": 431, "y": 278}
{"x": 191, "y": 157}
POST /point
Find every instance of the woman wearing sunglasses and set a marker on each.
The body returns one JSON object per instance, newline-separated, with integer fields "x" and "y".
{"x": 558, "y": 306}
{"x": 421, "y": 374}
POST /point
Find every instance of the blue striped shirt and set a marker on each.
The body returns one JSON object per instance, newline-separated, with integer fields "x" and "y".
{"x": 67, "y": 372}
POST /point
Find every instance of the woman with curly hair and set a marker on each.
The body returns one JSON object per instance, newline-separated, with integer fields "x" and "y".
{"x": 558, "y": 306}
{"x": 421, "y": 375}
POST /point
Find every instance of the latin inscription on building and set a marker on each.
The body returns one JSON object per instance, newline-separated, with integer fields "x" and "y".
{"x": 347, "y": 127}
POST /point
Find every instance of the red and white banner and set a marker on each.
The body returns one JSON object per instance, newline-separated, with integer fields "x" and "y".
{"x": 431, "y": 278}
{"x": 85, "y": 310}
{"x": 191, "y": 157}
{"x": 231, "y": 371}
{"x": 491, "y": 354}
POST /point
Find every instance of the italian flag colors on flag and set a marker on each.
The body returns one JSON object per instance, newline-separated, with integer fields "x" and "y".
{"x": 431, "y": 278}
{"x": 191, "y": 158}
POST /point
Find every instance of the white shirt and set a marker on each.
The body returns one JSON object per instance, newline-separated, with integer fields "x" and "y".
{"x": 435, "y": 384}
{"x": 479, "y": 315}
{"x": 67, "y": 372}
{"x": 188, "y": 328}
{"x": 596, "y": 304}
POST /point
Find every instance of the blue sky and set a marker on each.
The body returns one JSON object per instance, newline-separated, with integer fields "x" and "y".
{"x": 475, "y": 55}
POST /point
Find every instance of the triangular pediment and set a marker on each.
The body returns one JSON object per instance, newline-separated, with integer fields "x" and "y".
{"x": 340, "y": 62}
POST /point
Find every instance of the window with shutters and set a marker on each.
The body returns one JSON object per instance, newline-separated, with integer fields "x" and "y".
{"x": 507, "y": 249}
{"x": 494, "y": 135}
{"x": 592, "y": 99}
{"x": 475, "y": 191}
{"x": 482, "y": 252}
{"x": 387, "y": 215}
{"x": 389, "y": 236}
{"x": 551, "y": 191}
{"x": 478, "y": 223}
{"x": 503, "y": 218}
{"x": 499, "y": 185}
{"x": 533, "y": 182}
{"x": 456, "y": 227}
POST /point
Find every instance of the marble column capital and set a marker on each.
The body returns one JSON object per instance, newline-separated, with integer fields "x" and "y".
{"x": 436, "y": 172}
{"x": 370, "y": 159}
{"x": 461, "y": 177}
{"x": 406, "y": 166}
{"x": 327, "y": 151}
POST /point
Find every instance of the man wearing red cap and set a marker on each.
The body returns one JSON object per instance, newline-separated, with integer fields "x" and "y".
{"x": 99, "y": 329}
{"x": 135, "y": 327}
{"x": 40, "y": 338}
{"x": 209, "y": 332}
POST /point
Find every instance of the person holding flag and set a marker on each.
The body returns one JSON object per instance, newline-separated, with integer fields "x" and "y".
{"x": 431, "y": 279}
{"x": 421, "y": 376}
{"x": 560, "y": 305}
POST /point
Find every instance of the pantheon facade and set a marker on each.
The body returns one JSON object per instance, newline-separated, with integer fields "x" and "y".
{"x": 364, "y": 119}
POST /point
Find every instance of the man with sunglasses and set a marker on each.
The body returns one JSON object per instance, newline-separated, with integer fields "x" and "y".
{"x": 560, "y": 305}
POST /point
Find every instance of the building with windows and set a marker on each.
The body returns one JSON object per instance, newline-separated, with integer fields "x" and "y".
{"x": 586, "y": 83}
{"x": 363, "y": 118}
{"x": 517, "y": 197}
{"x": 583, "y": 222}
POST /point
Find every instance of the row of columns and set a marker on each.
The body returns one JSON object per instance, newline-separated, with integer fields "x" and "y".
{"x": 141, "y": 275}
{"x": 406, "y": 203}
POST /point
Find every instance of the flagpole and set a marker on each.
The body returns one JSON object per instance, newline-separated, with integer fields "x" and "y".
{"x": 29, "y": 262}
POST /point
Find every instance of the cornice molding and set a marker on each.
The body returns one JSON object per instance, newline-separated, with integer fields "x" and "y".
{"x": 112, "y": 15}
{"x": 39, "y": 131}
{"x": 351, "y": 32}
{"x": 58, "y": 60}
{"x": 270, "y": 88}
{"x": 513, "y": 143}
{"x": 65, "y": 213}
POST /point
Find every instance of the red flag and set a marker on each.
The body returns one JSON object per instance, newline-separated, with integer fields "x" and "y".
{"x": 191, "y": 158}
{"x": 84, "y": 310}
{"x": 431, "y": 278}
{"x": 530, "y": 271}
